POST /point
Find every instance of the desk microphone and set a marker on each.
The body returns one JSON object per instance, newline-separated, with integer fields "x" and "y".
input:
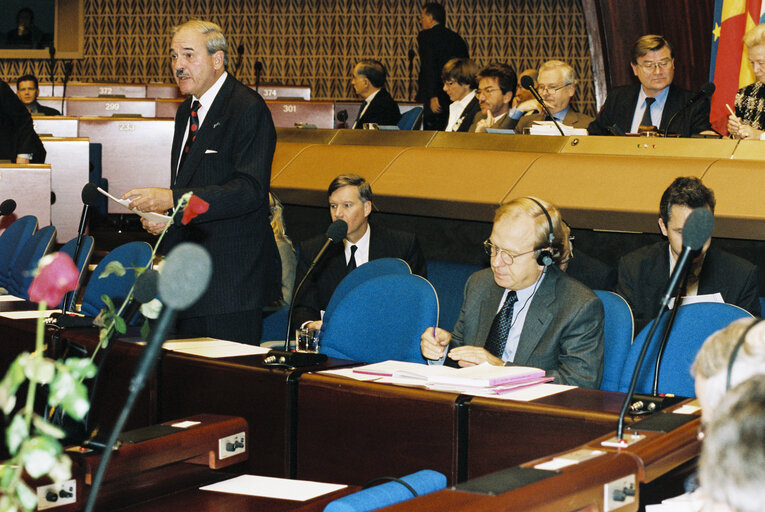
{"x": 68, "y": 68}
{"x": 52, "y": 68}
{"x": 239, "y": 56}
{"x": 90, "y": 196}
{"x": 696, "y": 231}
{"x": 7, "y": 207}
{"x": 258, "y": 72}
{"x": 706, "y": 91}
{"x": 528, "y": 83}
{"x": 335, "y": 233}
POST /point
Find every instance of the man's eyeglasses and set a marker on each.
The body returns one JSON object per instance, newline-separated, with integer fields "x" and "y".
{"x": 551, "y": 88}
{"x": 507, "y": 258}
{"x": 650, "y": 66}
{"x": 490, "y": 90}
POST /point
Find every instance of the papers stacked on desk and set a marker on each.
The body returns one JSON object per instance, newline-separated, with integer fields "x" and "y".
{"x": 549, "y": 128}
{"x": 494, "y": 379}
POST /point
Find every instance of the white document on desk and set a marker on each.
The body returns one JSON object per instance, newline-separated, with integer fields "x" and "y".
{"x": 10, "y": 298}
{"x": 213, "y": 348}
{"x": 270, "y": 487}
{"x": 26, "y": 315}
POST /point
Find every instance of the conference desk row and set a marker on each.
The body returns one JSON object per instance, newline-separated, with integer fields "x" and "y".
{"x": 321, "y": 427}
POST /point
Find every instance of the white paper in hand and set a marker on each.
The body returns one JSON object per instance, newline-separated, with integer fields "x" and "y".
{"x": 151, "y": 216}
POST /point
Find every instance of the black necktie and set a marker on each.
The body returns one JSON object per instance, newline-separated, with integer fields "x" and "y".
{"x": 358, "y": 116}
{"x": 352, "y": 260}
{"x": 646, "y": 121}
{"x": 193, "y": 128}
{"x": 500, "y": 327}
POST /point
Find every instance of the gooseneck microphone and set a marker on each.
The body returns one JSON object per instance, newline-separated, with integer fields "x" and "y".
{"x": 706, "y": 91}
{"x": 90, "y": 196}
{"x": 7, "y": 207}
{"x": 411, "y": 73}
{"x": 335, "y": 233}
{"x": 258, "y": 72}
{"x": 528, "y": 83}
{"x": 696, "y": 231}
{"x": 52, "y": 68}
{"x": 68, "y": 68}
{"x": 239, "y": 56}
{"x": 183, "y": 280}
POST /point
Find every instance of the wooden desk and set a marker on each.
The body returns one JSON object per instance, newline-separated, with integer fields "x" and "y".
{"x": 94, "y": 90}
{"x": 55, "y": 126}
{"x": 110, "y": 107}
{"x": 70, "y": 159}
{"x": 29, "y": 185}
{"x": 283, "y": 92}
{"x": 286, "y": 114}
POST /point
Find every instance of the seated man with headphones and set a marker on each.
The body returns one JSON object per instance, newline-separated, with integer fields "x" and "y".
{"x": 524, "y": 310}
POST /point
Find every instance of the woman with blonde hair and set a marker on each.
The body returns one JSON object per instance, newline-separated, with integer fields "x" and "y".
{"x": 749, "y": 121}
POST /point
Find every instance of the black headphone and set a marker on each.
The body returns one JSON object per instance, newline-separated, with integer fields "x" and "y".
{"x": 547, "y": 256}
{"x": 736, "y": 349}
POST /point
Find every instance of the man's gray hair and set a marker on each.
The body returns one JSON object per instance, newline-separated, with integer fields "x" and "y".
{"x": 216, "y": 41}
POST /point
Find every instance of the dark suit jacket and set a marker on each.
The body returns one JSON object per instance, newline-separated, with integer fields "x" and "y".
{"x": 644, "y": 273}
{"x": 318, "y": 289}
{"x": 506, "y": 123}
{"x": 621, "y": 102}
{"x": 562, "y": 334}
{"x": 229, "y": 166}
{"x": 46, "y": 111}
{"x": 17, "y": 133}
{"x": 468, "y": 114}
{"x": 383, "y": 110}
{"x": 572, "y": 118}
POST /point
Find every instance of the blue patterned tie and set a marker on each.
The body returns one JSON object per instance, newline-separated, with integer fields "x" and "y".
{"x": 500, "y": 327}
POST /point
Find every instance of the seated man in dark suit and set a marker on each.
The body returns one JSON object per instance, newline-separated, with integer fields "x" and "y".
{"x": 496, "y": 88}
{"x": 557, "y": 86}
{"x": 524, "y": 310}
{"x": 655, "y": 99}
{"x": 644, "y": 273}
{"x": 460, "y": 84}
{"x": 28, "y": 89}
{"x": 378, "y": 106}
{"x": 350, "y": 199}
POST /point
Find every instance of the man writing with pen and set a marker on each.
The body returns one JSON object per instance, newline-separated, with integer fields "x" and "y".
{"x": 524, "y": 310}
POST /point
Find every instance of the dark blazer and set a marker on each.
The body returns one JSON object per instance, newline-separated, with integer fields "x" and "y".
{"x": 468, "y": 114}
{"x": 318, "y": 289}
{"x": 46, "y": 111}
{"x": 562, "y": 334}
{"x": 383, "y": 110}
{"x": 506, "y": 123}
{"x": 644, "y": 273}
{"x": 229, "y": 166}
{"x": 621, "y": 103}
{"x": 17, "y": 133}
{"x": 572, "y": 118}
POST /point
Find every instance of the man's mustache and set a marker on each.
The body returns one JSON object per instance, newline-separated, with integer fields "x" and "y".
{"x": 181, "y": 74}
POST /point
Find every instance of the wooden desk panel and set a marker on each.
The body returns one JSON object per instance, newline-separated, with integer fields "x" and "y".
{"x": 70, "y": 161}
{"x": 110, "y": 107}
{"x": 286, "y": 114}
{"x": 738, "y": 184}
{"x": 136, "y": 152}
{"x": 351, "y": 431}
{"x": 167, "y": 107}
{"x": 28, "y": 185}
{"x": 55, "y": 126}
{"x": 94, "y": 90}
{"x": 283, "y": 92}
{"x": 651, "y": 146}
{"x": 165, "y": 90}
{"x": 284, "y": 154}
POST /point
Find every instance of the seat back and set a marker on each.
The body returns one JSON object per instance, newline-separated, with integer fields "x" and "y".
{"x": 618, "y": 332}
{"x": 86, "y": 251}
{"x": 422, "y": 482}
{"x": 365, "y": 272}
{"x": 131, "y": 255}
{"x": 449, "y": 280}
{"x": 23, "y": 268}
{"x": 693, "y": 324}
{"x": 410, "y": 119}
{"x": 380, "y": 319}
{"x": 11, "y": 242}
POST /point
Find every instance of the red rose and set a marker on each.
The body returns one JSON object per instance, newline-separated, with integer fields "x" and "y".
{"x": 195, "y": 206}
{"x": 56, "y": 275}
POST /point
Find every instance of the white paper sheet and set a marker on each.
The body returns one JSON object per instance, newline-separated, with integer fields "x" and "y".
{"x": 213, "y": 348}
{"x": 270, "y": 487}
{"x": 25, "y": 315}
{"x": 348, "y": 372}
{"x": 151, "y": 216}
{"x": 524, "y": 394}
{"x": 10, "y": 298}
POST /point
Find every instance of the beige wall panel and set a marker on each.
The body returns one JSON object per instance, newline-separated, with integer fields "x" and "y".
{"x": 740, "y": 193}
{"x": 750, "y": 150}
{"x": 606, "y": 192}
{"x": 70, "y": 160}
{"x": 29, "y": 186}
{"x": 459, "y": 184}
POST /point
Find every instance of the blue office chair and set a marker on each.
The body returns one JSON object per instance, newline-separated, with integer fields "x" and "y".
{"x": 383, "y": 495}
{"x": 131, "y": 255}
{"x": 380, "y": 319}
{"x": 693, "y": 324}
{"x": 365, "y": 272}
{"x": 23, "y": 269}
{"x": 11, "y": 242}
{"x": 618, "y": 330}
{"x": 410, "y": 120}
{"x": 449, "y": 280}
{"x": 86, "y": 251}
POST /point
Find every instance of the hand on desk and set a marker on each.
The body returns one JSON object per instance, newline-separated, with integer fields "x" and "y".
{"x": 469, "y": 355}
{"x": 150, "y": 199}
{"x": 740, "y": 130}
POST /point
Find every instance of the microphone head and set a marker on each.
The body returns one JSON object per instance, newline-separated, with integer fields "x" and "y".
{"x": 146, "y": 286}
{"x": 337, "y": 230}
{"x": 527, "y": 82}
{"x": 411, "y": 54}
{"x": 240, "y": 49}
{"x": 698, "y": 228}
{"x": 185, "y": 276}
{"x": 708, "y": 89}
{"x": 258, "y": 66}
{"x": 7, "y": 207}
{"x": 342, "y": 116}
{"x": 90, "y": 194}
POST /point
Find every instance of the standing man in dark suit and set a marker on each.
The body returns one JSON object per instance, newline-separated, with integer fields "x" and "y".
{"x": 524, "y": 310}
{"x": 222, "y": 151}
{"x": 18, "y": 141}
{"x": 643, "y": 274}
{"x": 28, "y": 89}
{"x": 436, "y": 44}
{"x": 460, "y": 83}
{"x": 655, "y": 99}
{"x": 378, "y": 106}
{"x": 350, "y": 199}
